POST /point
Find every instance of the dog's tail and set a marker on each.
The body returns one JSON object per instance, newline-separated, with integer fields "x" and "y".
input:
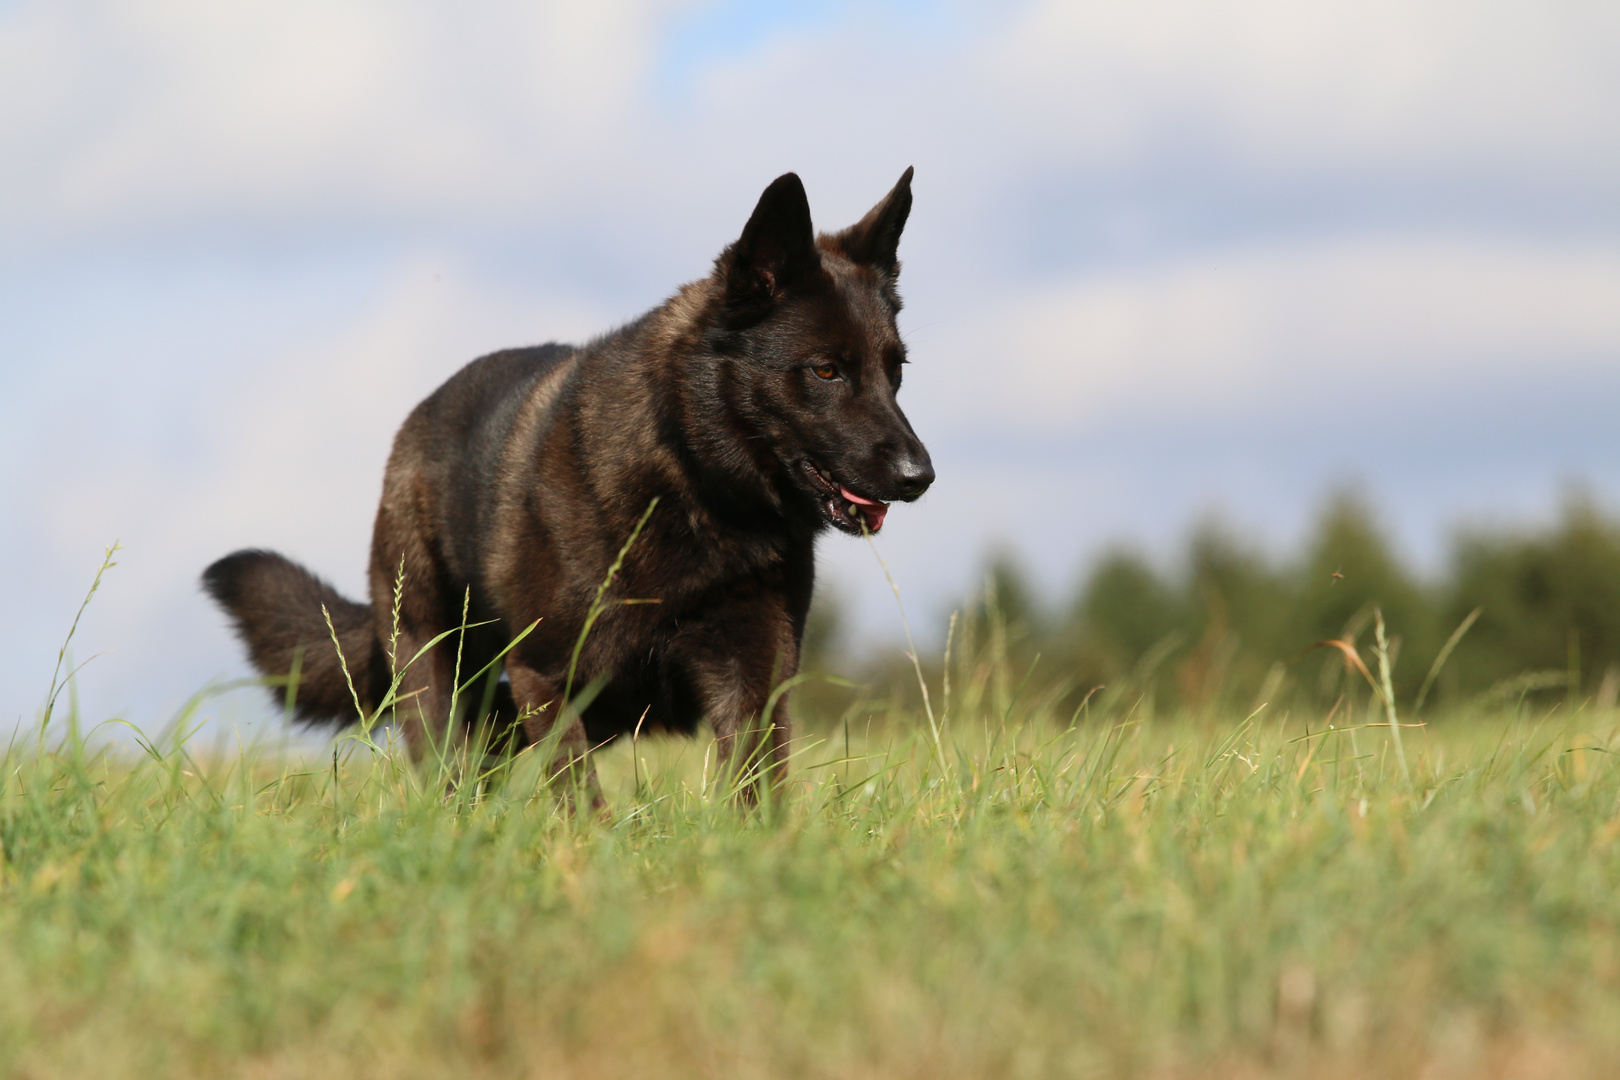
{"x": 276, "y": 606}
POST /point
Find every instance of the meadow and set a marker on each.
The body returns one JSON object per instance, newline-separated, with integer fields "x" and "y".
{"x": 995, "y": 883}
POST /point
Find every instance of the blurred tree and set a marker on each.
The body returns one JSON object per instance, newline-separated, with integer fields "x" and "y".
{"x": 1245, "y": 605}
{"x": 1227, "y": 630}
{"x": 1551, "y": 602}
{"x": 1009, "y": 596}
{"x": 1347, "y": 569}
{"x": 1123, "y": 625}
{"x": 1125, "y": 609}
{"x": 1015, "y": 629}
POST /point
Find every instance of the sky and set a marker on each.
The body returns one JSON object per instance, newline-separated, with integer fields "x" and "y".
{"x": 1168, "y": 259}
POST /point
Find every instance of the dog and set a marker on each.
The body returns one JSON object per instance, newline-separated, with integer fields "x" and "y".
{"x": 688, "y": 461}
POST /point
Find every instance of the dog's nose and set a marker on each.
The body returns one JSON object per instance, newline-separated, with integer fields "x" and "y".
{"x": 913, "y": 473}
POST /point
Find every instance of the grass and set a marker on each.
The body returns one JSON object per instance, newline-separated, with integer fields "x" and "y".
{"x": 1118, "y": 899}
{"x": 1002, "y": 891}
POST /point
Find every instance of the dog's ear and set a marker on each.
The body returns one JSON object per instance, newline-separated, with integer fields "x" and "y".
{"x": 875, "y": 239}
{"x": 777, "y": 246}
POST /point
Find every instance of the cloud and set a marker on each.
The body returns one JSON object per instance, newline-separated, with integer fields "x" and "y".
{"x": 127, "y": 113}
{"x": 1381, "y": 84}
{"x": 1239, "y": 329}
{"x": 179, "y": 109}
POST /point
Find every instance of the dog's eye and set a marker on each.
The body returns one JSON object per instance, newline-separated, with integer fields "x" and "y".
{"x": 826, "y": 370}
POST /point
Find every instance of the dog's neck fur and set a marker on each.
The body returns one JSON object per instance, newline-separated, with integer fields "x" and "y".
{"x": 721, "y": 475}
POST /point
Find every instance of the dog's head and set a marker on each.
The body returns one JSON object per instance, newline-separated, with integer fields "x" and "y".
{"x": 808, "y": 325}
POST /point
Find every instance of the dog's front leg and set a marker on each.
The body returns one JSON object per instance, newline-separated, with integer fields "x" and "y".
{"x": 753, "y": 748}
{"x": 736, "y": 661}
{"x": 539, "y": 703}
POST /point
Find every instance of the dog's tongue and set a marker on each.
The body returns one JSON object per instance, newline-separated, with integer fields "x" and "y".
{"x": 873, "y": 510}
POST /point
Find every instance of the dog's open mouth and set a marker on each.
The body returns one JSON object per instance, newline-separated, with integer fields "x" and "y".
{"x": 845, "y": 509}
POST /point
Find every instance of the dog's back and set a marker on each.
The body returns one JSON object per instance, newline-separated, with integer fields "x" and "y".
{"x": 449, "y": 453}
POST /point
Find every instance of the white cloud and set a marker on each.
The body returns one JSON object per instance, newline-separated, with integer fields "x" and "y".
{"x": 1403, "y": 314}
{"x": 1405, "y": 83}
{"x": 182, "y": 108}
{"x": 126, "y": 110}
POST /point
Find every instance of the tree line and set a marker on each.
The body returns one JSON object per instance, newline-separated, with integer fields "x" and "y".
{"x": 1527, "y": 614}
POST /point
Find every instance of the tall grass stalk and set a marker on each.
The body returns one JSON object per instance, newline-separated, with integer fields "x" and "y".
{"x": 1381, "y": 652}
{"x": 58, "y": 681}
{"x": 911, "y": 649}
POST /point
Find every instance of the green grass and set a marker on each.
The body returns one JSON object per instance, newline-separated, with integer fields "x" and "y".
{"x": 985, "y": 888}
{"x": 1212, "y": 898}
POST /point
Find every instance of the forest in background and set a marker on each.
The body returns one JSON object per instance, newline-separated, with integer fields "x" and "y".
{"x": 1229, "y": 625}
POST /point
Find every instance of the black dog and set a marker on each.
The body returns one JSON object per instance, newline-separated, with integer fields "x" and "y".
{"x": 757, "y": 406}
